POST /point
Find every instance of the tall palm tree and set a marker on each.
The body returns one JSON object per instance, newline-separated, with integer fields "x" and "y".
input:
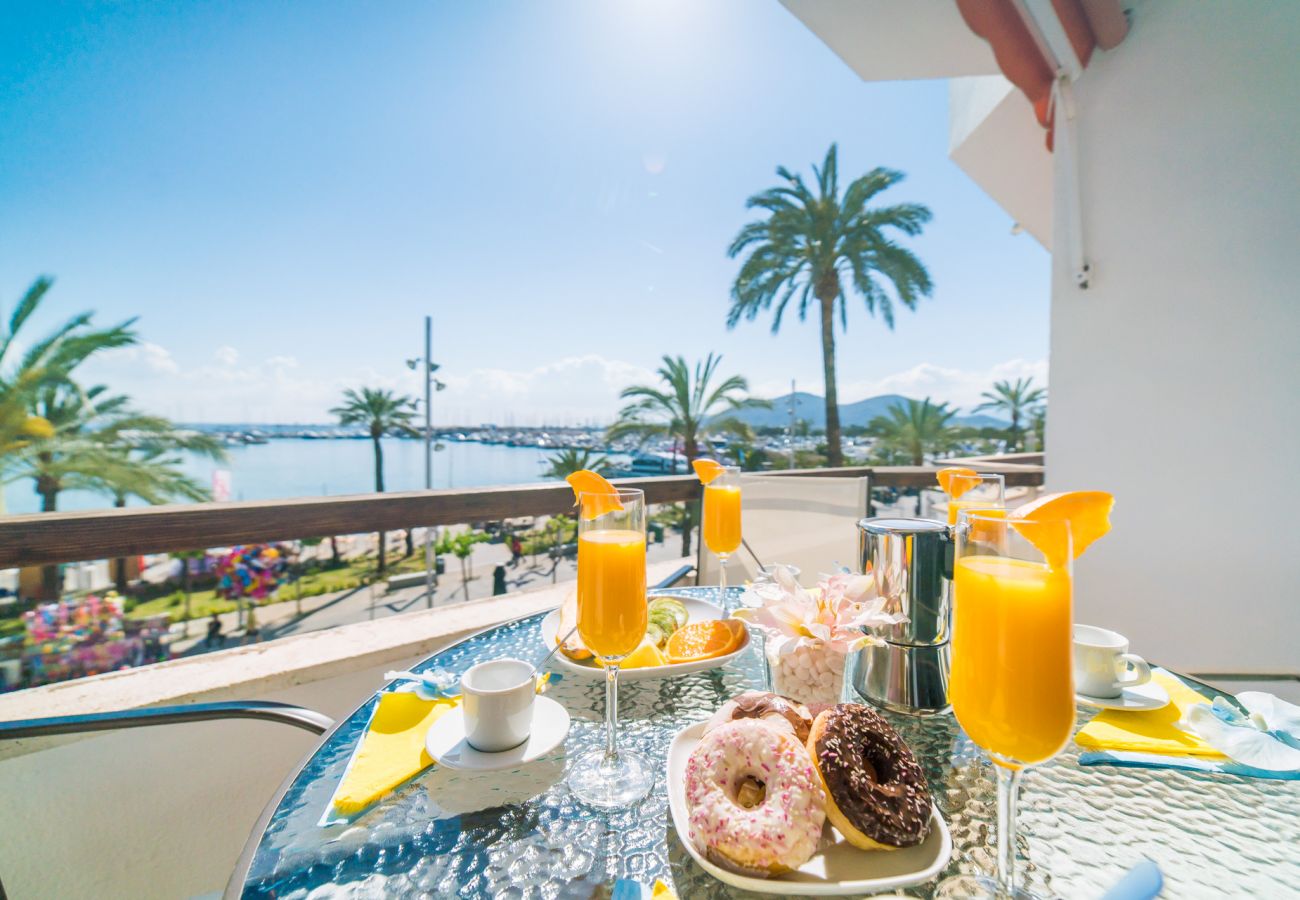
{"x": 914, "y": 428}
{"x": 573, "y": 459}
{"x": 380, "y": 412}
{"x": 809, "y": 243}
{"x": 686, "y": 406}
{"x": 1016, "y": 399}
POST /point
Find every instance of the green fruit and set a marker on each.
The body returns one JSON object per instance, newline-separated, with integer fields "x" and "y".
{"x": 672, "y": 605}
{"x": 656, "y": 635}
{"x": 665, "y": 620}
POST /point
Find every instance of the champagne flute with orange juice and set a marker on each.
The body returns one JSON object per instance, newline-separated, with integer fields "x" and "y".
{"x": 721, "y": 526}
{"x": 968, "y": 489}
{"x": 1012, "y": 688}
{"x": 612, "y": 620}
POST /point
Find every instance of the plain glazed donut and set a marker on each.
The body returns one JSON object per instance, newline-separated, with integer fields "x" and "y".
{"x": 770, "y": 708}
{"x": 748, "y": 759}
{"x": 877, "y": 795}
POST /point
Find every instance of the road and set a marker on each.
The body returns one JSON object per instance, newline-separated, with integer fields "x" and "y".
{"x": 373, "y": 602}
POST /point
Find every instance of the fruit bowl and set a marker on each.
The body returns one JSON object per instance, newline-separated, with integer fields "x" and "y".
{"x": 697, "y": 610}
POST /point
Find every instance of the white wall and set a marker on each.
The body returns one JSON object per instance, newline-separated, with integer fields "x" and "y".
{"x": 1176, "y": 378}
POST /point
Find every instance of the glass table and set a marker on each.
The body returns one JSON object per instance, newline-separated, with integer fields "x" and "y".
{"x": 521, "y": 834}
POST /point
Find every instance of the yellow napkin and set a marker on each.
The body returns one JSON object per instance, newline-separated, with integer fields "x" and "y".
{"x": 392, "y": 750}
{"x": 1152, "y": 731}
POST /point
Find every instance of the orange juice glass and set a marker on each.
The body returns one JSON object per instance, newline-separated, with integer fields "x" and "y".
{"x": 1011, "y": 686}
{"x": 988, "y": 493}
{"x": 612, "y": 615}
{"x": 612, "y": 620}
{"x": 721, "y": 526}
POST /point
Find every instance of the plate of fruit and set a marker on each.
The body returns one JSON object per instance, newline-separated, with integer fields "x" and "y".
{"x": 683, "y": 635}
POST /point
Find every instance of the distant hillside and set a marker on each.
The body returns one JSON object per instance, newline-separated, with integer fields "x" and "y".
{"x": 813, "y": 408}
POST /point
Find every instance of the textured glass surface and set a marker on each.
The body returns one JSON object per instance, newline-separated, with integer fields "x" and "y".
{"x": 520, "y": 834}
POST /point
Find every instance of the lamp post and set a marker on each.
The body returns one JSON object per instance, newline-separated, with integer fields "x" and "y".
{"x": 430, "y": 385}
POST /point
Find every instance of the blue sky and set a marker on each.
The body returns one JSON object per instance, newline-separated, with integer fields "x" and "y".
{"x": 281, "y": 191}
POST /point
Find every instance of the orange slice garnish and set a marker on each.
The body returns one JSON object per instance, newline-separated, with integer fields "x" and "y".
{"x": 701, "y": 640}
{"x": 1087, "y": 512}
{"x": 707, "y": 469}
{"x": 594, "y": 492}
{"x": 956, "y": 480}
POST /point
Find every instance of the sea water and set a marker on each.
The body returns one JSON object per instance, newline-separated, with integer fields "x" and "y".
{"x": 293, "y": 467}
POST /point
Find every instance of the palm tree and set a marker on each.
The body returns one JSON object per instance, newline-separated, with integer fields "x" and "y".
{"x": 687, "y": 408}
{"x": 571, "y": 459}
{"x": 380, "y": 412}
{"x": 808, "y": 244}
{"x": 1016, "y": 400}
{"x": 915, "y": 428}
{"x": 47, "y": 362}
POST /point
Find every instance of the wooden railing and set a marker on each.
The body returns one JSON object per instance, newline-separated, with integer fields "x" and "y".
{"x": 56, "y": 537}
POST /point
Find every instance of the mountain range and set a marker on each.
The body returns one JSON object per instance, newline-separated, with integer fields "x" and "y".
{"x": 813, "y": 408}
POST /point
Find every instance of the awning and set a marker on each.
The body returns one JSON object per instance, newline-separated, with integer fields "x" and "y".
{"x": 1035, "y": 41}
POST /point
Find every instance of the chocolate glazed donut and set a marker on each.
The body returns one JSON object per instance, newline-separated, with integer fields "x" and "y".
{"x": 762, "y": 705}
{"x": 876, "y": 793}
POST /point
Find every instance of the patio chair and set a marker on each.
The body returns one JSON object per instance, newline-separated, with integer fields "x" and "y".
{"x": 805, "y": 522}
{"x": 263, "y": 710}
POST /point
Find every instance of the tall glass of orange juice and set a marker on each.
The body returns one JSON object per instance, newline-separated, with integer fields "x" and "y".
{"x": 722, "y": 520}
{"x": 982, "y": 491}
{"x": 1011, "y": 685}
{"x": 612, "y": 620}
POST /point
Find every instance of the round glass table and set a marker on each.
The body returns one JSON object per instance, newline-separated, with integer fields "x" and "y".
{"x": 520, "y": 833}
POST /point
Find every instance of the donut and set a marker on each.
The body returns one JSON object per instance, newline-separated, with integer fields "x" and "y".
{"x": 755, "y": 804}
{"x": 876, "y": 794}
{"x": 772, "y": 709}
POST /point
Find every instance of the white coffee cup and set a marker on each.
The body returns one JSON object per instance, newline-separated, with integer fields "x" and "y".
{"x": 498, "y": 697}
{"x": 1103, "y": 667}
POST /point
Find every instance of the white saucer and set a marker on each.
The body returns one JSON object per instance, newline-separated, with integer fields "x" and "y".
{"x": 1133, "y": 699}
{"x": 446, "y": 740}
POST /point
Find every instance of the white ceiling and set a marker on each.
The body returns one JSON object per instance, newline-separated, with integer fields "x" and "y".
{"x": 890, "y": 40}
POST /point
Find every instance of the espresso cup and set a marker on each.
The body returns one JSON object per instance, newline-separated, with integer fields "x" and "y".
{"x": 1103, "y": 667}
{"x": 497, "y": 697}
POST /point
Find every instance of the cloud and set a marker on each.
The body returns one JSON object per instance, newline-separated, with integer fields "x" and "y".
{"x": 574, "y": 390}
{"x": 227, "y": 355}
{"x": 577, "y": 389}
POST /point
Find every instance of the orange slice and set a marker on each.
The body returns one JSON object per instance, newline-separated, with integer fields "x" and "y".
{"x": 739, "y": 635}
{"x": 707, "y": 469}
{"x": 1087, "y": 512}
{"x": 701, "y": 640}
{"x": 956, "y": 481}
{"x": 595, "y": 493}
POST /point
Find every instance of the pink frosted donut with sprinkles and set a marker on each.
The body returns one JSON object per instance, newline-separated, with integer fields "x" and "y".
{"x": 754, "y": 800}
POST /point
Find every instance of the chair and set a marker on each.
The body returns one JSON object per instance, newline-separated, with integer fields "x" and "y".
{"x": 808, "y": 522}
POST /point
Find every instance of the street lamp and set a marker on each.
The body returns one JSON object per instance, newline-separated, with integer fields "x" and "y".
{"x": 430, "y": 385}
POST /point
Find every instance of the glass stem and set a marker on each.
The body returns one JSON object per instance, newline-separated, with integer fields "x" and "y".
{"x": 1008, "y": 798}
{"x": 611, "y": 713}
{"x": 722, "y": 583}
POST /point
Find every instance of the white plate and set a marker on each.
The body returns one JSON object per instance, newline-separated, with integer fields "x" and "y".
{"x": 1142, "y": 698}
{"x": 698, "y": 611}
{"x": 836, "y": 868}
{"x": 446, "y": 740}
